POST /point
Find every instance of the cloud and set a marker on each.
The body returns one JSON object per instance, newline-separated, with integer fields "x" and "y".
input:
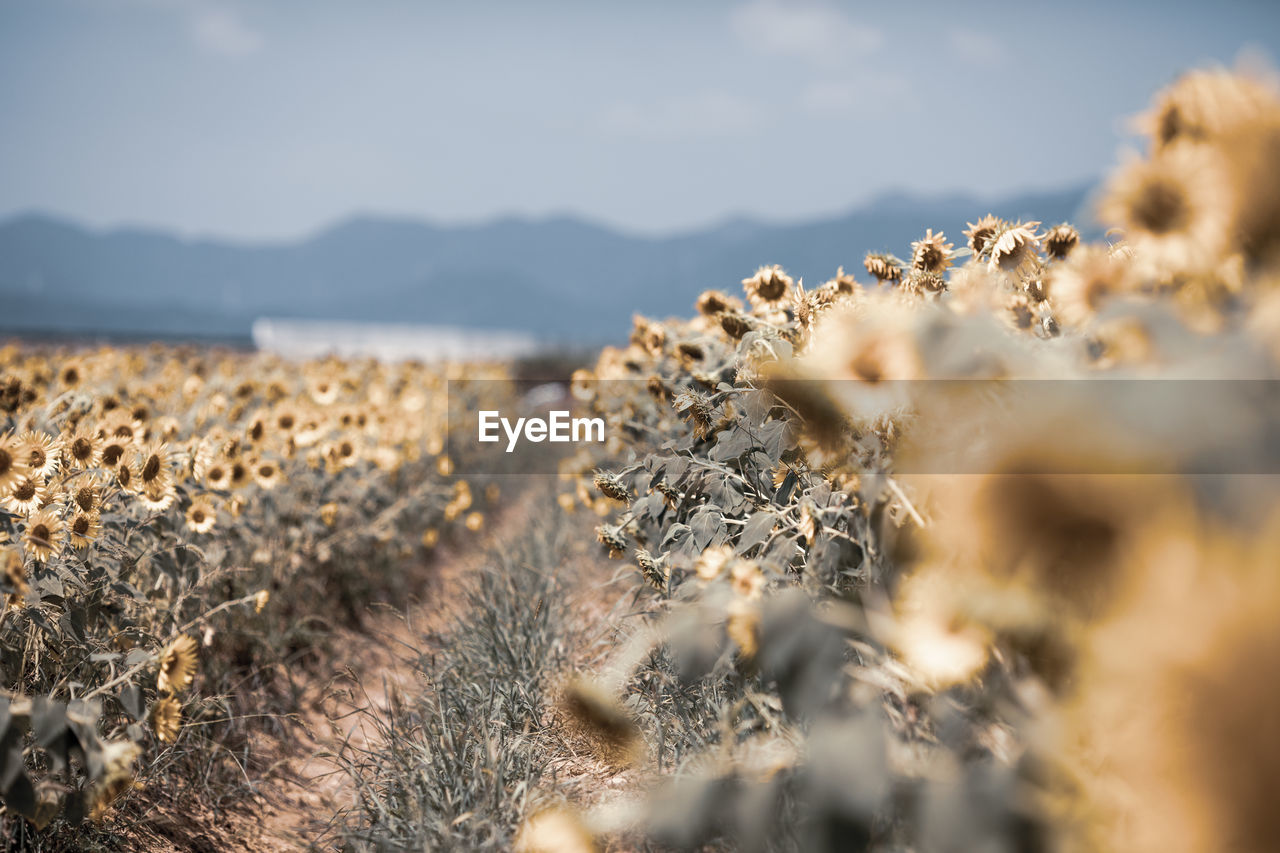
{"x": 221, "y": 30}
{"x": 815, "y": 33}
{"x": 214, "y": 26}
{"x": 977, "y": 48}
{"x": 705, "y": 114}
{"x": 826, "y": 97}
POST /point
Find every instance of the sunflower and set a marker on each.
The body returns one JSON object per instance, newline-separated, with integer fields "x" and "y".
{"x": 328, "y": 514}
{"x": 769, "y": 288}
{"x": 982, "y": 233}
{"x": 26, "y": 496}
{"x": 114, "y": 449}
{"x": 1060, "y": 240}
{"x": 341, "y": 454}
{"x": 217, "y": 475}
{"x": 257, "y": 428}
{"x": 15, "y": 575}
{"x": 285, "y": 420}
{"x": 177, "y": 665}
{"x": 715, "y": 302}
{"x": 1205, "y": 105}
{"x": 84, "y": 493}
{"x": 240, "y": 474}
{"x": 1176, "y": 210}
{"x": 127, "y": 475}
{"x": 121, "y": 425}
{"x": 883, "y": 267}
{"x": 323, "y": 390}
{"x": 117, "y": 776}
{"x": 201, "y": 515}
{"x": 932, "y": 254}
{"x": 1081, "y": 286}
{"x": 267, "y": 474}
{"x": 1014, "y": 246}
{"x": 158, "y": 497}
{"x": 83, "y": 448}
{"x": 43, "y": 535}
{"x": 71, "y": 374}
{"x": 154, "y": 467}
{"x": 41, "y": 453}
{"x": 84, "y": 528}
{"x": 166, "y": 718}
{"x": 12, "y": 469}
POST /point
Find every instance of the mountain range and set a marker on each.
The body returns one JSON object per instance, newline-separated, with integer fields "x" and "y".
{"x": 559, "y": 277}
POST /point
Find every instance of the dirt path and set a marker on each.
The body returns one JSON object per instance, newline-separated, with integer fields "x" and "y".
{"x": 308, "y": 787}
{"x": 304, "y": 785}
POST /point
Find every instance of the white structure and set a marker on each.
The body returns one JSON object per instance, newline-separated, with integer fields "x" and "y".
{"x": 388, "y": 341}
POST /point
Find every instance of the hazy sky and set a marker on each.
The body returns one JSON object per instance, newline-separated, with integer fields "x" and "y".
{"x": 264, "y": 119}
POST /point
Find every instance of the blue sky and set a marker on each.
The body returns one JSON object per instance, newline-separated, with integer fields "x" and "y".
{"x": 267, "y": 120}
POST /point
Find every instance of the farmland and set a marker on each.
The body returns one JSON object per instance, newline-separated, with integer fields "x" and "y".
{"x": 875, "y": 563}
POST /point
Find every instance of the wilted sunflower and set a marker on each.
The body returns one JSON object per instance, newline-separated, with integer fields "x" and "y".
{"x": 654, "y": 570}
{"x": 714, "y": 302}
{"x": 177, "y": 665}
{"x": 611, "y": 486}
{"x": 612, "y": 537}
{"x": 1060, "y": 240}
{"x": 884, "y": 267}
{"x": 26, "y": 495}
{"x": 166, "y": 718}
{"x": 201, "y": 515}
{"x": 769, "y": 288}
{"x": 1206, "y": 105}
{"x": 40, "y": 451}
{"x": 932, "y": 254}
{"x": 1081, "y": 286}
{"x": 982, "y": 233}
{"x": 12, "y": 468}
{"x": 84, "y": 528}
{"x": 83, "y": 447}
{"x": 1175, "y": 210}
{"x": 1014, "y": 245}
{"x": 735, "y": 325}
{"x": 43, "y": 537}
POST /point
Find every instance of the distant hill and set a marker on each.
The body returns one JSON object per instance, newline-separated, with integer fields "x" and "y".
{"x": 558, "y": 277}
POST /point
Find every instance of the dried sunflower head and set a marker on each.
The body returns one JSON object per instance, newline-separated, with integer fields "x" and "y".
{"x": 982, "y": 233}
{"x": 769, "y": 288}
{"x": 931, "y": 254}
{"x": 883, "y": 267}
{"x": 166, "y": 718}
{"x": 1060, "y": 240}
{"x": 177, "y": 665}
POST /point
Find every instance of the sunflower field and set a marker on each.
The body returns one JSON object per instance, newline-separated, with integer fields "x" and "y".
{"x": 974, "y": 551}
{"x": 155, "y": 504}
